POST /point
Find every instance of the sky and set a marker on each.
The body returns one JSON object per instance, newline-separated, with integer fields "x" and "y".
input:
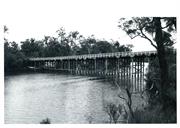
{"x": 37, "y": 18}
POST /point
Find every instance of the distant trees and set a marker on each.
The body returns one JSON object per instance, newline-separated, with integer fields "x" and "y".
{"x": 31, "y": 47}
{"x": 94, "y": 46}
{"x": 64, "y": 44}
{"x": 69, "y": 44}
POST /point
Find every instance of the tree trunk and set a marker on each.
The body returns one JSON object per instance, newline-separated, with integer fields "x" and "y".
{"x": 162, "y": 60}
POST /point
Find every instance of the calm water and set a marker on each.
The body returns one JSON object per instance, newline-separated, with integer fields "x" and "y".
{"x": 29, "y": 98}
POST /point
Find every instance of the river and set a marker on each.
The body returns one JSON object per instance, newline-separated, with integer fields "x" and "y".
{"x": 30, "y": 98}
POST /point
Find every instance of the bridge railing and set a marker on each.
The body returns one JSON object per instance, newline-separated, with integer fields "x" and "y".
{"x": 100, "y": 55}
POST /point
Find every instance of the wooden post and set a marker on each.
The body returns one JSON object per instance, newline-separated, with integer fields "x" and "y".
{"x": 138, "y": 73}
{"x": 135, "y": 74}
{"x": 55, "y": 64}
{"x": 34, "y": 64}
{"x": 117, "y": 71}
{"x": 76, "y": 66}
{"x": 143, "y": 87}
{"x": 68, "y": 65}
{"x": 95, "y": 66}
{"x": 106, "y": 66}
{"x": 127, "y": 73}
{"x": 124, "y": 73}
{"x": 121, "y": 70}
{"x": 132, "y": 75}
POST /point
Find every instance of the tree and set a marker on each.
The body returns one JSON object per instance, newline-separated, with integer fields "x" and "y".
{"x": 86, "y": 45}
{"x": 69, "y": 41}
{"x": 91, "y": 45}
{"x": 102, "y": 47}
{"x": 73, "y": 40}
{"x": 152, "y": 29}
{"x": 32, "y": 48}
{"x": 121, "y": 48}
{"x": 13, "y": 58}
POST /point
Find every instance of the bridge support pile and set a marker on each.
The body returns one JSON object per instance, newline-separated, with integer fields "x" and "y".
{"x": 128, "y": 68}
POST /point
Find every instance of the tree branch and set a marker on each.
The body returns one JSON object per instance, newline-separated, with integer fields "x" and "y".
{"x": 122, "y": 98}
{"x": 144, "y": 36}
{"x": 134, "y": 36}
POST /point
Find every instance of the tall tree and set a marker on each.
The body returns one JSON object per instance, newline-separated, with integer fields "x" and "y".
{"x": 87, "y": 45}
{"x": 152, "y": 29}
{"x": 73, "y": 40}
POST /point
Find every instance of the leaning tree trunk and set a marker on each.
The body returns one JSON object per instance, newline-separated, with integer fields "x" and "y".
{"x": 162, "y": 60}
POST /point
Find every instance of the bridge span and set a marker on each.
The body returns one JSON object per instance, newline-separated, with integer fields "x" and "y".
{"x": 127, "y": 68}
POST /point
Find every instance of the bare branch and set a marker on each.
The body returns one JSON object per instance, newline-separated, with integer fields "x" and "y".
{"x": 134, "y": 36}
{"x": 140, "y": 28}
{"x": 144, "y": 36}
{"x": 152, "y": 86}
{"x": 122, "y": 98}
{"x": 126, "y": 100}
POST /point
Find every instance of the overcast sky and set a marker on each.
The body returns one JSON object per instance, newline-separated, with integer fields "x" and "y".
{"x": 36, "y": 18}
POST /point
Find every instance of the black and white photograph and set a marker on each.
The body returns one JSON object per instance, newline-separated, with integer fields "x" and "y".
{"x": 85, "y": 62}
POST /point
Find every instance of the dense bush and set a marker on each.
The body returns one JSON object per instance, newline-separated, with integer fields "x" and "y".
{"x": 14, "y": 59}
{"x": 153, "y": 77}
{"x": 167, "y": 113}
{"x": 155, "y": 111}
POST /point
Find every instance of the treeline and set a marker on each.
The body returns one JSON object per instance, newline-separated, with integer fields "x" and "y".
{"x": 65, "y": 44}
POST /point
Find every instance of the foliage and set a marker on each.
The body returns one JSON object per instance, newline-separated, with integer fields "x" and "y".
{"x": 31, "y": 47}
{"x": 69, "y": 44}
{"x": 158, "y": 31}
{"x": 14, "y": 59}
{"x": 114, "y": 112}
{"x": 144, "y": 27}
{"x": 64, "y": 44}
{"x": 94, "y": 46}
{"x": 155, "y": 112}
{"x": 153, "y": 84}
{"x": 154, "y": 115}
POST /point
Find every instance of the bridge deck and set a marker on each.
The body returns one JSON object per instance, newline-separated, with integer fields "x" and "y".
{"x": 100, "y": 55}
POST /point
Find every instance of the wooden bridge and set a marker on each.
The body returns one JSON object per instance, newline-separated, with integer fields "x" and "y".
{"x": 128, "y": 68}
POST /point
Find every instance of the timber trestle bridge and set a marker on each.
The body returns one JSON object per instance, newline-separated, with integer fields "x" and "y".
{"x": 128, "y": 68}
